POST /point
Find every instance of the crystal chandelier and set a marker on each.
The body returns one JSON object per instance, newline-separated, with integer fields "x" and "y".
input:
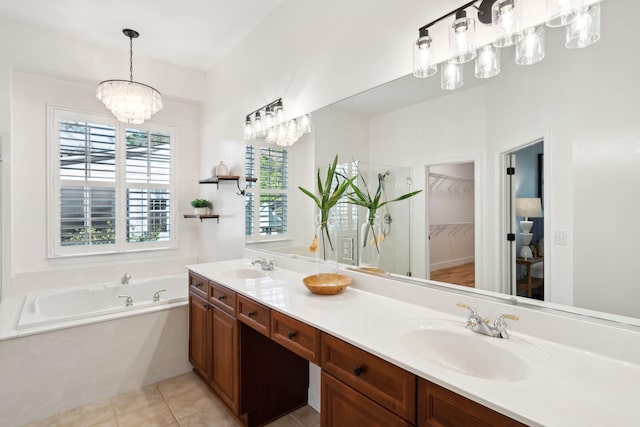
{"x": 131, "y": 102}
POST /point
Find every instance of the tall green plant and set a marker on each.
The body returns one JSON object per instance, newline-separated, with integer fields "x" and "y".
{"x": 328, "y": 195}
{"x": 362, "y": 197}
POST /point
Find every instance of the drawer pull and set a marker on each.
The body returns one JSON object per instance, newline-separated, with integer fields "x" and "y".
{"x": 221, "y": 297}
{"x": 358, "y": 370}
{"x": 198, "y": 285}
{"x": 207, "y": 307}
{"x": 291, "y": 335}
{"x": 251, "y": 314}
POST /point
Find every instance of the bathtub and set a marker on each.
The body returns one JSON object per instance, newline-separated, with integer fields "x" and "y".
{"x": 64, "y": 306}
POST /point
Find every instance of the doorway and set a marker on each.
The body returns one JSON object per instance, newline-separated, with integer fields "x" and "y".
{"x": 451, "y": 223}
{"x": 523, "y": 196}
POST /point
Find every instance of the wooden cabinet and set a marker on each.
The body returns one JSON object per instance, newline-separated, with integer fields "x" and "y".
{"x": 254, "y": 314}
{"x": 198, "y": 285}
{"x": 388, "y": 385}
{"x": 222, "y": 297}
{"x": 302, "y": 339}
{"x": 199, "y": 336}
{"x": 344, "y": 406}
{"x": 225, "y": 357}
{"x": 439, "y": 407}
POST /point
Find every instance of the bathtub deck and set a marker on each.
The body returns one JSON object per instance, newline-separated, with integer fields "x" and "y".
{"x": 180, "y": 401}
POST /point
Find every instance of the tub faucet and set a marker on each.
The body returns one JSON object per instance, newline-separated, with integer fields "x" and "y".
{"x": 476, "y": 323}
{"x": 128, "y": 302}
{"x": 264, "y": 264}
{"x": 125, "y": 279}
{"x": 156, "y": 296}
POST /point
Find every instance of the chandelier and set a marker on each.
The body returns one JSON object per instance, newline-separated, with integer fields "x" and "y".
{"x": 131, "y": 102}
{"x": 269, "y": 123}
{"x": 581, "y": 20}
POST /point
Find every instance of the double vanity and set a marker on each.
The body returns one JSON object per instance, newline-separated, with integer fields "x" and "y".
{"x": 387, "y": 361}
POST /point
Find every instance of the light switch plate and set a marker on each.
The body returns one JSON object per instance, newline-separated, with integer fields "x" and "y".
{"x": 560, "y": 237}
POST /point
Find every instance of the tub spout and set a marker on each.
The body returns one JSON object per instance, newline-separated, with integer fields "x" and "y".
{"x": 125, "y": 279}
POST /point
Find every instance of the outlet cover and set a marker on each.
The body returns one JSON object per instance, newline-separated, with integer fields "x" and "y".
{"x": 560, "y": 237}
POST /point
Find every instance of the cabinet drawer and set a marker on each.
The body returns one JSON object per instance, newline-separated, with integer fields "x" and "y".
{"x": 222, "y": 297}
{"x": 302, "y": 339}
{"x": 390, "y": 386}
{"x": 438, "y": 407}
{"x": 198, "y": 285}
{"x": 254, "y": 314}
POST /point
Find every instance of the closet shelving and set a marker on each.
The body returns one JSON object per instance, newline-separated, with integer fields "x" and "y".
{"x": 452, "y": 228}
{"x": 437, "y": 180}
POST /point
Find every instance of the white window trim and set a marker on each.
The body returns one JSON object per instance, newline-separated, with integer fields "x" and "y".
{"x": 256, "y": 190}
{"x": 55, "y": 250}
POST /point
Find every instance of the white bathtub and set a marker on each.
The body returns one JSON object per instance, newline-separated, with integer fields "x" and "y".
{"x": 59, "y": 306}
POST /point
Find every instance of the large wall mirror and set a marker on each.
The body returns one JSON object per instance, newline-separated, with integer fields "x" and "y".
{"x": 582, "y": 103}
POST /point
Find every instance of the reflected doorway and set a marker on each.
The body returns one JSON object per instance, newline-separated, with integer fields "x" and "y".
{"x": 525, "y": 229}
{"x": 451, "y": 223}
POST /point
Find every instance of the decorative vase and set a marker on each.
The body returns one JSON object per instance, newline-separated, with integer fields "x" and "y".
{"x": 326, "y": 244}
{"x": 201, "y": 211}
{"x": 371, "y": 238}
{"x": 222, "y": 169}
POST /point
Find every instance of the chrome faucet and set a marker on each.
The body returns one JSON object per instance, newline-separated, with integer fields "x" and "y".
{"x": 476, "y": 323}
{"x": 156, "y": 295}
{"x": 128, "y": 302}
{"x": 125, "y": 279}
{"x": 264, "y": 264}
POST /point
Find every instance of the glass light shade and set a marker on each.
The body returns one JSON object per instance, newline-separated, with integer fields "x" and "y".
{"x": 531, "y": 48}
{"x": 506, "y": 19}
{"x": 562, "y": 12}
{"x": 304, "y": 124}
{"x": 292, "y": 128}
{"x": 270, "y": 135}
{"x": 248, "y": 129}
{"x": 278, "y": 112}
{"x": 488, "y": 62}
{"x": 451, "y": 76}
{"x": 585, "y": 29}
{"x": 258, "y": 125}
{"x": 462, "y": 39}
{"x": 423, "y": 65}
{"x": 131, "y": 102}
{"x": 269, "y": 120}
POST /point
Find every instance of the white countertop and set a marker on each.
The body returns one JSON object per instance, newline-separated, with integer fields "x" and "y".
{"x": 565, "y": 386}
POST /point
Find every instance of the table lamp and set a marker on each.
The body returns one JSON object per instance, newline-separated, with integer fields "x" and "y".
{"x": 527, "y": 207}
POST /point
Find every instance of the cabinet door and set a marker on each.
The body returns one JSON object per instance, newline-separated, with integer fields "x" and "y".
{"x": 344, "y": 406}
{"x": 224, "y": 357}
{"x": 439, "y": 407}
{"x": 199, "y": 337}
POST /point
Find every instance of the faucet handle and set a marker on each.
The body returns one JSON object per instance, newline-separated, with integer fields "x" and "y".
{"x": 128, "y": 301}
{"x": 156, "y": 295}
{"x": 468, "y": 307}
{"x": 500, "y": 326}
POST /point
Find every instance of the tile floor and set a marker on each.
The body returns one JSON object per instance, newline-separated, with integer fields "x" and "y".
{"x": 183, "y": 401}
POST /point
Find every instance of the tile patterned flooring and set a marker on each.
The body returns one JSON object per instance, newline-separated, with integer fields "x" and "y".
{"x": 183, "y": 401}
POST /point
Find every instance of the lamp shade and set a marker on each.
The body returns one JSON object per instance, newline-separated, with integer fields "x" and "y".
{"x": 529, "y": 207}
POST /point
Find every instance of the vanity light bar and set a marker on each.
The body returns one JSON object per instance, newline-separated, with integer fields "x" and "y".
{"x": 269, "y": 123}
{"x": 582, "y": 29}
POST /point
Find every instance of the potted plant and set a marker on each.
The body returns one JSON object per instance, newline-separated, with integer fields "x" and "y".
{"x": 201, "y": 206}
{"x": 328, "y": 195}
{"x": 371, "y": 235}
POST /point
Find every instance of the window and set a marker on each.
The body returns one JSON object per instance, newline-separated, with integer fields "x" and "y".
{"x": 266, "y": 200}
{"x": 111, "y": 185}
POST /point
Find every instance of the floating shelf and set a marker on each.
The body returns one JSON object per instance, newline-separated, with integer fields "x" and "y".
{"x": 218, "y": 179}
{"x": 201, "y": 217}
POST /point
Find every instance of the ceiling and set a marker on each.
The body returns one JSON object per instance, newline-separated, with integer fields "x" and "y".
{"x": 191, "y": 33}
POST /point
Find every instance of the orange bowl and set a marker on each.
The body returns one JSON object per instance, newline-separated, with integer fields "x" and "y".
{"x": 327, "y": 284}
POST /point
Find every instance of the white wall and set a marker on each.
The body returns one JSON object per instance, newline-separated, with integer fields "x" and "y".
{"x": 40, "y": 67}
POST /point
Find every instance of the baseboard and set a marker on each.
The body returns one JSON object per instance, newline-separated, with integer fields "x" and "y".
{"x": 451, "y": 263}
{"x": 314, "y": 400}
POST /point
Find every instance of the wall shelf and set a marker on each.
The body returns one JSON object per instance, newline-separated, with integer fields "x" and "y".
{"x": 201, "y": 217}
{"x": 218, "y": 179}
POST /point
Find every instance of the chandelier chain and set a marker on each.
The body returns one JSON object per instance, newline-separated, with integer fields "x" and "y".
{"x": 130, "y": 58}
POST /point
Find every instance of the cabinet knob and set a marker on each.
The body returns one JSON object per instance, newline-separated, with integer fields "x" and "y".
{"x": 358, "y": 370}
{"x": 198, "y": 285}
{"x": 207, "y": 307}
{"x": 221, "y": 297}
{"x": 291, "y": 334}
{"x": 251, "y": 313}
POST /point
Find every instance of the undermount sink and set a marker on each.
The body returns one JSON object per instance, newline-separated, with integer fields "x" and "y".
{"x": 245, "y": 273}
{"x": 467, "y": 353}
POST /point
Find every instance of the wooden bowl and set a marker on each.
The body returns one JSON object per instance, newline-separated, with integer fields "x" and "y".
{"x": 326, "y": 284}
